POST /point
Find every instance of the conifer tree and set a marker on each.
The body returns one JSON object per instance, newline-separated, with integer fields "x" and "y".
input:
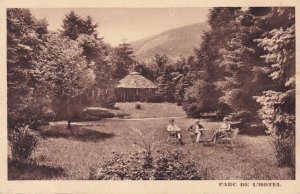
{"x": 123, "y": 60}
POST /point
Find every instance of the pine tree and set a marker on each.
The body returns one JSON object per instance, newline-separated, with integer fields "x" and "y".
{"x": 73, "y": 26}
{"x": 123, "y": 60}
{"x": 181, "y": 78}
{"x": 203, "y": 96}
{"x": 166, "y": 85}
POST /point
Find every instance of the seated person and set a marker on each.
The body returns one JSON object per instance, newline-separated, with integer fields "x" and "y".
{"x": 221, "y": 132}
{"x": 195, "y": 130}
{"x": 174, "y": 130}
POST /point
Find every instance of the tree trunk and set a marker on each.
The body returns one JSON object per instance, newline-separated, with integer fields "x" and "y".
{"x": 69, "y": 115}
{"x": 69, "y": 124}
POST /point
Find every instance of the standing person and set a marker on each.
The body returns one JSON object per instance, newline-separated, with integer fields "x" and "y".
{"x": 195, "y": 130}
{"x": 175, "y": 130}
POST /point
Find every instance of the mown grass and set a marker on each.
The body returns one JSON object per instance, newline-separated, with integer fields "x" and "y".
{"x": 252, "y": 157}
{"x": 150, "y": 110}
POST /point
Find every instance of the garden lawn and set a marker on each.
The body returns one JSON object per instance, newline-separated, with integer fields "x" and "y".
{"x": 71, "y": 155}
{"x": 150, "y": 110}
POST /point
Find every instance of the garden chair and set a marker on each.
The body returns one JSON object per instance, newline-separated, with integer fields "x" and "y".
{"x": 172, "y": 137}
{"x": 219, "y": 139}
{"x": 231, "y": 137}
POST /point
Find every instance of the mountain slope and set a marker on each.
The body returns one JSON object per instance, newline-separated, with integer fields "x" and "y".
{"x": 174, "y": 42}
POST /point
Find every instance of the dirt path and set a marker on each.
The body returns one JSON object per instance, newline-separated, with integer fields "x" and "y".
{"x": 82, "y": 123}
{"x": 141, "y": 119}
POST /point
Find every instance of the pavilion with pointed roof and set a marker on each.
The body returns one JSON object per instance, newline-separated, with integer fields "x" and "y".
{"x": 134, "y": 87}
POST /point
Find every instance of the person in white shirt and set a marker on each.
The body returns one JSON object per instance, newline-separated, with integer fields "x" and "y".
{"x": 195, "y": 129}
{"x": 175, "y": 130}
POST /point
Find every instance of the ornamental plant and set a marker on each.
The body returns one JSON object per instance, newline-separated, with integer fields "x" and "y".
{"x": 23, "y": 142}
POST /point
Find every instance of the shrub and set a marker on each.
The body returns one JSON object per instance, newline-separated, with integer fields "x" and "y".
{"x": 23, "y": 141}
{"x": 200, "y": 98}
{"x": 155, "y": 98}
{"x": 243, "y": 116}
{"x": 109, "y": 101}
{"x": 179, "y": 103}
{"x": 223, "y": 110}
{"x": 285, "y": 152}
{"x": 172, "y": 166}
{"x": 122, "y": 167}
{"x": 34, "y": 125}
{"x": 99, "y": 112}
{"x": 278, "y": 115}
{"x": 165, "y": 166}
{"x": 138, "y": 106}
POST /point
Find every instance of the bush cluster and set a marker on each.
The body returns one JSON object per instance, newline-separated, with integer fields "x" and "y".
{"x": 278, "y": 115}
{"x": 138, "y": 106}
{"x": 165, "y": 166}
{"x": 23, "y": 141}
{"x": 285, "y": 151}
{"x": 172, "y": 166}
{"x": 155, "y": 98}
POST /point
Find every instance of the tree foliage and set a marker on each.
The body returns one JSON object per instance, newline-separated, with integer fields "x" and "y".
{"x": 148, "y": 70}
{"x": 25, "y": 41}
{"x": 66, "y": 72}
{"x": 278, "y": 104}
{"x": 165, "y": 83}
{"x": 181, "y": 78}
{"x": 229, "y": 60}
{"x": 245, "y": 65}
{"x": 73, "y": 26}
{"x": 206, "y": 71}
{"x": 123, "y": 60}
{"x": 96, "y": 52}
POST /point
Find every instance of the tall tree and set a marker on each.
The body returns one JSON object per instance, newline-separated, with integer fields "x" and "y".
{"x": 165, "y": 85}
{"x": 84, "y": 31}
{"x": 161, "y": 61}
{"x": 181, "y": 78}
{"x": 25, "y": 40}
{"x": 203, "y": 96}
{"x": 67, "y": 73}
{"x": 278, "y": 102}
{"x": 228, "y": 63}
{"x": 123, "y": 60}
{"x": 73, "y": 26}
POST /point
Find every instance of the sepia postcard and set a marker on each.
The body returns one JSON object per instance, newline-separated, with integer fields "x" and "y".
{"x": 135, "y": 96}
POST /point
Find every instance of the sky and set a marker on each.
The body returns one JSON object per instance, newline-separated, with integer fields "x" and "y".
{"x": 127, "y": 24}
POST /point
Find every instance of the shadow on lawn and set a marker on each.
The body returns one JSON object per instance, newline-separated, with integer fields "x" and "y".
{"x": 32, "y": 171}
{"x": 79, "y": 134}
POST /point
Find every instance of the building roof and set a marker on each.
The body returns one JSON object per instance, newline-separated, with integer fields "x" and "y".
{"x": 135, "y": 80}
